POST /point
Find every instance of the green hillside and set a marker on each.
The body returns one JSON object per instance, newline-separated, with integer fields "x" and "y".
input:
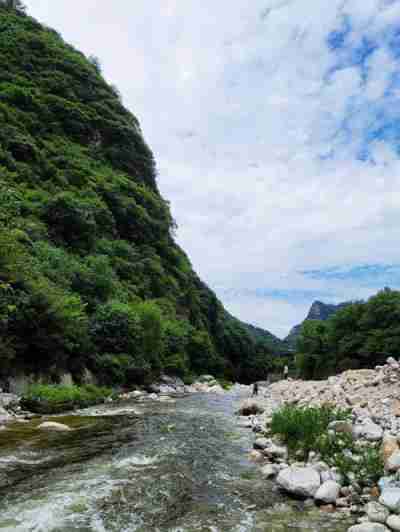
{"x": 90, "y": 275}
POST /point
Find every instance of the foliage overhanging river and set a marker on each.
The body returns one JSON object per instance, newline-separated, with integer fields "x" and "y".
{"x": 172, "y": 467}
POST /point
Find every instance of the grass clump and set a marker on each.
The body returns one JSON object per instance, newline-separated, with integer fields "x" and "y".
{"x": 301, "y": 429}
{"x": 305, "y": 429}
{"x": 51, "y": 399}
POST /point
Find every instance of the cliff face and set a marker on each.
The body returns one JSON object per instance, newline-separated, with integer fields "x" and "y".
{"x": 318, "y": 311}
{"x": 90, "y": 275}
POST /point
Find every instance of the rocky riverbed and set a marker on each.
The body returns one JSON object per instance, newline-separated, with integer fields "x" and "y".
{"x": 373, "y": 397}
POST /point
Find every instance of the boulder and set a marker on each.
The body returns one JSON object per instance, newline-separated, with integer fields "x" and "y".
{"x": 4, "y": 415}
{"x": 276, "y": 451}
{"x": 392, "y": 464}
{"x": 377, "y": 513}
{"x": 270, "y": 470}
{"x": 328, "y": 492}
{"x": 262, "y": 443}
{"x": 390, "y": 498}
{"x": 393, "y": 522}
{"x": 300, "y": 481}
{"x": 369, "y": 527}
{"x": 368, "y": 430}
{"x": 250, "y": 408}
{"x": 207, "y": 379}
{"x": 389, "y": 446}
{"x": 341, "y": 427}
{"x": 52, "y": 425}
{"x": 256, "y": 456}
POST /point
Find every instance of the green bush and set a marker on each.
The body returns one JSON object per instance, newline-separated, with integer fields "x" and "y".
{"x": 301, "y": 429}
{"x": 58, "y": 398}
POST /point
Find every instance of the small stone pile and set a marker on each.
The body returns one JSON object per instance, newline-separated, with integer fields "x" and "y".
{"x": 373, "y": 396}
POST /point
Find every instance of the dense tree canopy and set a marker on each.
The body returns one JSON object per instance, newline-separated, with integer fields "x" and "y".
{"x": 360, "y": 335}
{"x": 90, "y": 275}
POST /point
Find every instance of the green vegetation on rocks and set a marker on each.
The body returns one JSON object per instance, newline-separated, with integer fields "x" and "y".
{"x": 90, "y": 274}
{"x": 48, "y": 399}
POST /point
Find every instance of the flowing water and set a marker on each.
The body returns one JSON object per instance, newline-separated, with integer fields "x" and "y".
{"x": 179, "y": 466}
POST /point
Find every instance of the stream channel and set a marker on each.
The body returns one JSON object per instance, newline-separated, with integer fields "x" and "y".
{"x": 157, "y": 466}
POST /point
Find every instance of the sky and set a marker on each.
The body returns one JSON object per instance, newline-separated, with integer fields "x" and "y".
{"x": 276, "y": 129}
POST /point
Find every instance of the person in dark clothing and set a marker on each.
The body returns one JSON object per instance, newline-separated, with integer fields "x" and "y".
{"x": 255, "y": 388}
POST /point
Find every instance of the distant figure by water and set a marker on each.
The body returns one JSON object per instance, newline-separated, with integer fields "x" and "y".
{"x": 255, "y": 388}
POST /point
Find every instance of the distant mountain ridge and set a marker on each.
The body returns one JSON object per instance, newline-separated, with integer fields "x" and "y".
{"x": 318, "y": 311}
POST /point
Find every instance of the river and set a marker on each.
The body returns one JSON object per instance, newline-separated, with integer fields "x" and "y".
{"x": 179, "y": 466}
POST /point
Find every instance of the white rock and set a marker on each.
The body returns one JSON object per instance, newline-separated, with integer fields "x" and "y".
{"x": 276, "y": 451}
{"x": 369, "y": 527}
{"x": 52, "y": 425}
{"x": 328, "y": 492}
{"x": 393, "y": 522}
{"x": 393, "y": 462}
{"x": 390, "y": 498}
{"x": 301, "y": 481}
{"x": 377, "y": 513}
{"x": 270, "y": 470}
{"x": 368, "y": 430}
{"x": 4, "y": 415}
{"x": 261, "y": 443}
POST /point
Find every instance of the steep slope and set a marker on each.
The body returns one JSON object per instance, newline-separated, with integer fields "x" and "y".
{"x": 90, "y": 275}
{"x": 318, "y": 311}
{"x": 272, "y": 342}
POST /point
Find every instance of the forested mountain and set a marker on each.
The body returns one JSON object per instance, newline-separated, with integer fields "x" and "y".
{"x": 90, "y": 275}
{"x": 360, "y": 334}
{"x": 318, "y": 311}
{"x": 272, "y": 342}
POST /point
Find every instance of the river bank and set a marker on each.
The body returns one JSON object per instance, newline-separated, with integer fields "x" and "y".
{"x": 372, "y": 398}
{"x": 145, "y": 465}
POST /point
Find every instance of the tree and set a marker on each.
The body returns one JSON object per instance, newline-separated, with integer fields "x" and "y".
{"x": 18, "y": 5}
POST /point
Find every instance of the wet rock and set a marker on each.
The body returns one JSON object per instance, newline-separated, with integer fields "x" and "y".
{"x": 377, "y": 513}
{"x": 261, "y": 443}
{"x": 300, "y": 481}
{"x": 269, "y": 470}
{"x": 52, "y": 425}
{"x": 328, "y": 492}
{"x": 276, "y": 451}
{"x": 256, "y": 456}
{"x": 392, "y": 464}
{"x": 4, "y": 415}
{"x": 250, "y": 408}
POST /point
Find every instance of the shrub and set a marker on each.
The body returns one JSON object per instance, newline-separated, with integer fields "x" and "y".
{"x": 56, "y": 398}
{"x": 302, "y": 428}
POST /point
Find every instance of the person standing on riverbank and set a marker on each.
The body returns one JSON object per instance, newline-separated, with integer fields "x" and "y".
{"x": 285, "y": 372}
{"x": 255, "y": 388}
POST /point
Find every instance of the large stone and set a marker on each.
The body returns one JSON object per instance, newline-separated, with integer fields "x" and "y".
{"x": 300, "y": 481}
{"x": 377, "y": 513}
{"x": 328, "y": 492}
{"x": 392, "y": 464}
{"x": 261, "y": 443}
{"x": 390, "y": 498}
{"x": 4, "y": 415}
{"x": 341, "y": 427}
{"x": 270, "y": 470}
{"x": 276, "y": 451}
{"x": 369, "y": 527}
{"x": 389, "y": 446}
{"x": 52, "y": 425}
{"x": 250, "y": 408}
{"x": 393, "y": 522}
{"x": 368, "y": 430}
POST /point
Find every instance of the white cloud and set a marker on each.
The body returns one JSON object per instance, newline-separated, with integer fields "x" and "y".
{"x": 257, "y": 125}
